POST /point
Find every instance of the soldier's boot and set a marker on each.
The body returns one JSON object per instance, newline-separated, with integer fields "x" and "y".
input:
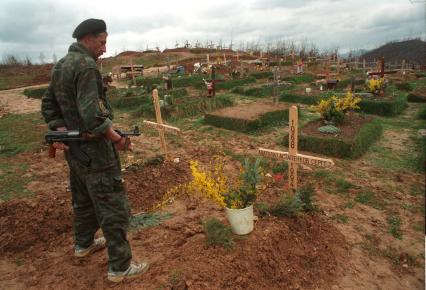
{"x": 97, "y": 245}
{"x": 134, "y": 271}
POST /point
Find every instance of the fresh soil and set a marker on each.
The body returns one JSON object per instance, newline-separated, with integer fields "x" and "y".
{"x": 348, "y": 129}
{"x": 251, "y": 111}
{"x": 305, "y": 253}
{"x": 312, "y": 251}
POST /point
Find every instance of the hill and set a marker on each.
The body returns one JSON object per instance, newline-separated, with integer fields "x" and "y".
{"x": 413, "y": 51}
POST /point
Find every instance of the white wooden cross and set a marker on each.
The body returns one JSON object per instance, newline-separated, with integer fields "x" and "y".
{"x": 159, "y": 125}
{"x": 292, "y": 156}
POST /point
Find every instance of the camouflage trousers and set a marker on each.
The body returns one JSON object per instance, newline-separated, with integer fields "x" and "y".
{"x": 99, "y": 201}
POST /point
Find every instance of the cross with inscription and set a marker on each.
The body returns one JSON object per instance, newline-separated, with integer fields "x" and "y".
{"x": 292, "y": 156}
{"x": 159, "y": 125}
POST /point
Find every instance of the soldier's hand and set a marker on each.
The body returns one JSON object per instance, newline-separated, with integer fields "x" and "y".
{"x": 124, "y": 144}
{"x": 60, "y": 145}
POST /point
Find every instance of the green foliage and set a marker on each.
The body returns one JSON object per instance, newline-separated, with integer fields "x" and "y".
{"x": 244, "y": 125}
{"x": 139, "y": 81}
{"x": 404, "y": 87}
{"x": 288, "y": 206}
{"x": 262, "y": 75}
{"x": 299, "y": 79}
{"x": 421, "y": 163}
{"x": 422, "y": 113}
{"x": 234, "y": 83}
{"x": 218, "y": 234}
{"x": 195, "y": 81}
{"x": 305, "y": 195}
{"x": 294, "y": 98}
{"x": 341, "y": 218}
{"x": 145, "y": 220}
{"x": 394, "y": 229}
{"x": 259, "y": 92}
{"x": 416, "y": 97}
{"x": 247, "y": 192}
{"x": 21, "y": 133}
{"x": 384, "y": 107}
{"x": 36, "y": 93}
{"x": 329, "y": 129}
{"x": 282, "y": 167}
{"x": 333, "y": 146}
{"x": 12, "y": 180}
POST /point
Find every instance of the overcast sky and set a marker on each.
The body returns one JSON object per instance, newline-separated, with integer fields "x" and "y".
{"x": 44, "y": 27}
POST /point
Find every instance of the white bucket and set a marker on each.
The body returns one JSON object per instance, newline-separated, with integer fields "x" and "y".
{"x": 241, "y": 220}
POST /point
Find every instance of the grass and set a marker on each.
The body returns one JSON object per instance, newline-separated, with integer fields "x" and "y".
{"x": 368, "y": 197}
{"x": 12, "y": 180}
{"x": 335, "y": 183}
{"x": 28, "y": 136}
{"x": 394, "y": 227}
{"x": 145, "y": 220}
{"x": 341, "y": 218}
{"x": 218, "y": 234}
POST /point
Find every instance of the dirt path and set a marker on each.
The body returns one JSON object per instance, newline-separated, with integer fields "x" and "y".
{"x": 14, "y": 101}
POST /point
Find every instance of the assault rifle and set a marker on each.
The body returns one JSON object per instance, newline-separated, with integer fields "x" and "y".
{"x": 73, "y": 138}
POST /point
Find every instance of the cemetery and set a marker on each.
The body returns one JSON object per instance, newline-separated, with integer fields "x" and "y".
{"x": 254, "y": 170}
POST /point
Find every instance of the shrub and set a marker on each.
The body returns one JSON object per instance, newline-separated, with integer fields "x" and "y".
{"x": 218, "y": 234}
{"x": 416, "y": 97}
{"x": 36, "y": 93}
{"x": 262, "y": 75}
{"x": 384, "y": 107}
{"x": 288, "y": 206}
{"x": 422, "y": 113}
{"x": 299, "y": 79}
{"x": 333, "y": 146}
{"x": 329, "y": 129}
{"x": 334, "y": 109}
{"x": 234, "y": 83}
{"x": 404, "y": 87}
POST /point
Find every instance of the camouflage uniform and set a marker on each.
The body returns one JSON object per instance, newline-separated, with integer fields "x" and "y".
{"x": 76, "y": 99}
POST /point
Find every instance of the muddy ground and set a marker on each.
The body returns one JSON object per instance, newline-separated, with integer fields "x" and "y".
{"x": 340, "y": 246}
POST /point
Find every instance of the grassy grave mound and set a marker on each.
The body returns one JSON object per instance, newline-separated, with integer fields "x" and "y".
{"x": 186, "y": 106}
{"x": 259, "y": 92}
{"x": 36, "y": 93}
{"x": 357, "y": 134}
{"x": 248, "y": 117}
{"x": 263, "y": 75}
{"x": 417, "y": 96}
{"x": 382, "y": 106}
{"x": 227, "y": 85}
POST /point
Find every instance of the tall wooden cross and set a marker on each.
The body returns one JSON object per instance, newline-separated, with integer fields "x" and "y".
{"x": 159, "y": 125}
{"x": 382, "y": 71}
{"x": 292, "y": 156}
{"x": 132, "y": 71}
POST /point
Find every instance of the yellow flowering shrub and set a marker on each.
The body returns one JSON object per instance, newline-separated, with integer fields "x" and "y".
{"x": 334, "y": 108}
{"x": 375, "y": 85}
{"x": 212, "y": 183}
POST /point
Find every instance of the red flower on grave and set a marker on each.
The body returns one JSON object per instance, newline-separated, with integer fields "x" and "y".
{"x": 278, "y": 177}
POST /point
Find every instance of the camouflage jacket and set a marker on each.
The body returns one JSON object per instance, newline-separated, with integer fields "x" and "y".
{"x": 76, "y": 99}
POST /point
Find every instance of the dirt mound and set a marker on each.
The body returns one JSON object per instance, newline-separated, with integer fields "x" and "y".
{"x": 34, "y": 225}
{"x": 130, "y": 53}
{"x": 146, "y": 188}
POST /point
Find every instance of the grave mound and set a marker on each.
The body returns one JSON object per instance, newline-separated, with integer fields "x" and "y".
{"x": 248, "y": 117}
{"x": 357, "y": 133}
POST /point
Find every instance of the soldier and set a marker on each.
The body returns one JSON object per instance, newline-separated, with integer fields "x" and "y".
{"x": 76, "y": 100}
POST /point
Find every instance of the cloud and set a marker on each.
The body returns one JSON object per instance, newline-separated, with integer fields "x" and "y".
{"x": 28, "y": 28}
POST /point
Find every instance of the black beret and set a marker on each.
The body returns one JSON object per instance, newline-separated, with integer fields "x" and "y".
{"x": 89, "y": 26}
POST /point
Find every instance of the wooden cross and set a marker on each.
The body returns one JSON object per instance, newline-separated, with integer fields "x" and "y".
{"x": 292, "y": 156}
{"x": 133, "y": 71}
{"x": 382, "y": 71}
{"x": 159, "y": 125}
